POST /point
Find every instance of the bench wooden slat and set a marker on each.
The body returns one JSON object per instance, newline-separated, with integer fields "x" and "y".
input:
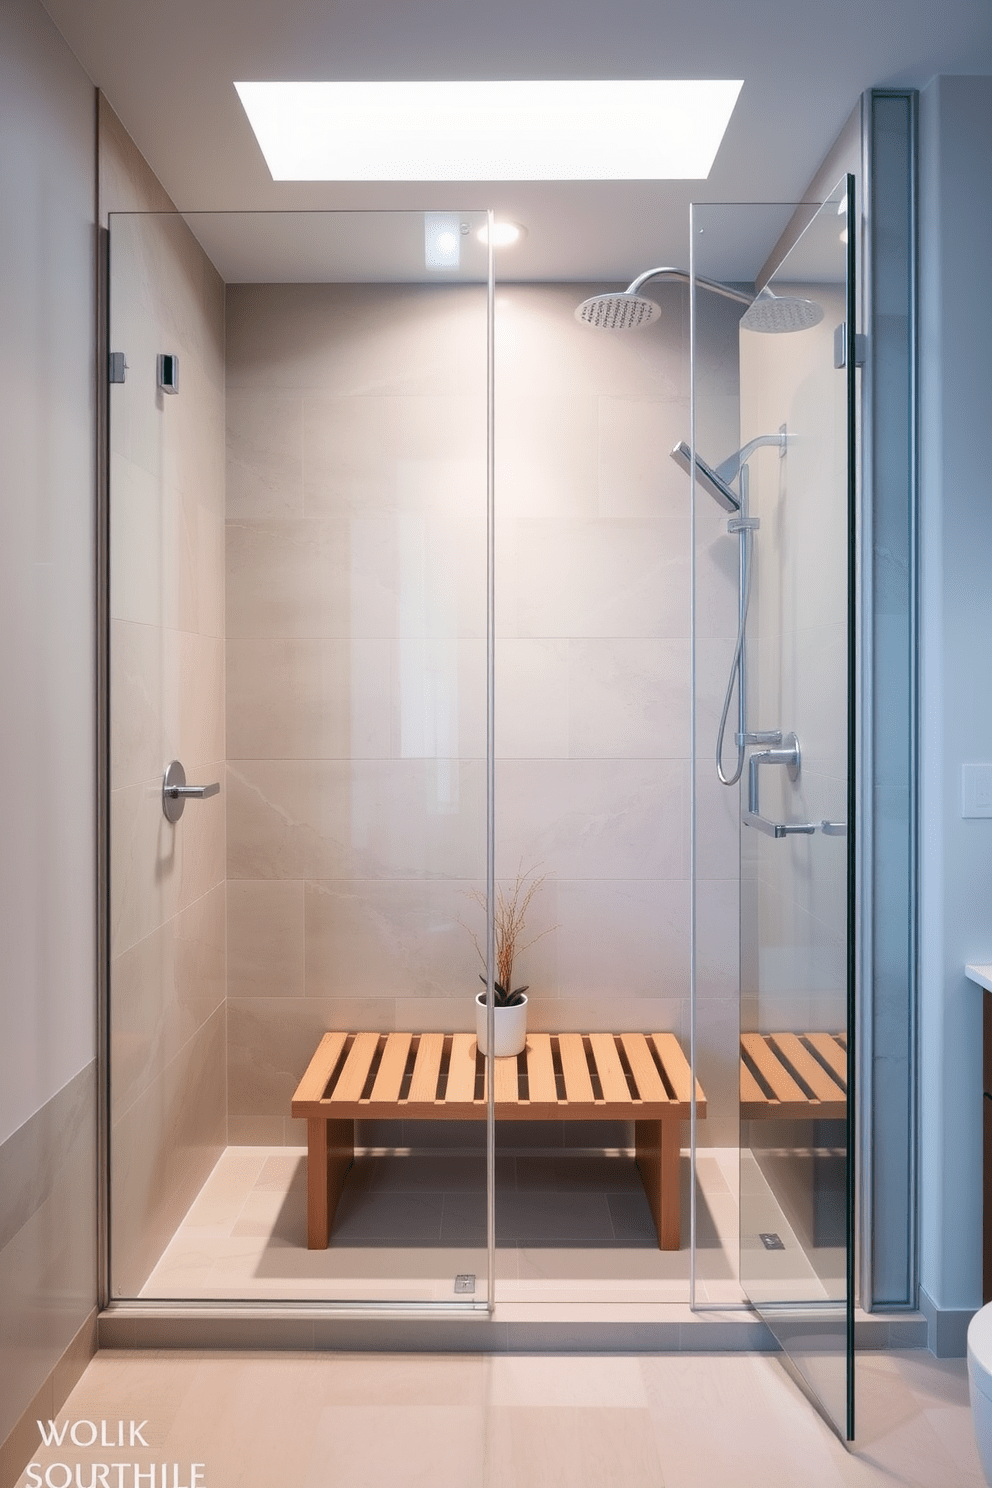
{"x": 506, "y": 1081}
{"x": 833, "y": 1053}
{"x": 650, "y": 1086}
{"x": 423, "y": 1085}
{"x": 753, "y": 1098}
{"x": 611, "y": 1076}
{"x": 461, "y": 1071}
{"x": 541, "y": 1087}
{"x": 809, "y": 1070}
{"x": 771, "y": 1069}
{"x": 352, "y": 1079}
{"x": 578, "y": 1085}
{"x": 321, "y": 1067}
{"x": 389, "y": 1077}
{"x": 676, "y": 1067}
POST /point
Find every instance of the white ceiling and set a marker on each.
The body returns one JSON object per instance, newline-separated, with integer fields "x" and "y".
{"x": 168, "y": 68}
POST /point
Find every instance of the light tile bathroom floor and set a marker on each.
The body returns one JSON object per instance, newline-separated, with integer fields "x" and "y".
{"x": 569, "y": 1225}
{"x": 518, "y": 1421}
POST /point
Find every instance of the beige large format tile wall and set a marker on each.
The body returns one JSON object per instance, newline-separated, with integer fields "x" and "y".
{"x": 356, "y": 622}
{"x": 168, "y": 916}
{"x": 356, "y": 669}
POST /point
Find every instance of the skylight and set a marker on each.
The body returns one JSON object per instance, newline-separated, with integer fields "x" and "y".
{"x": 490, "y": 131}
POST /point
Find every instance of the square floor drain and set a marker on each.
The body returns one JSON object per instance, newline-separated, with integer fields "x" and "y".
{"x": 465, "y": 1282}
{"x": 772, "y": 1241}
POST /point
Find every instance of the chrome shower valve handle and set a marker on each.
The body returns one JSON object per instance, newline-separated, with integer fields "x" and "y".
{"x": 790, "y": 755}
{"x": 175, "y": 791}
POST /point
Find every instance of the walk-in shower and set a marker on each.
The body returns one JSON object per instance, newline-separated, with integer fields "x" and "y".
{"x": 358, "y": 645}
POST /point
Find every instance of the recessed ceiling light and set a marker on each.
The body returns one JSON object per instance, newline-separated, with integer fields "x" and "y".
{"x": 504, "y": 233}
{"x": 603, "y": 130}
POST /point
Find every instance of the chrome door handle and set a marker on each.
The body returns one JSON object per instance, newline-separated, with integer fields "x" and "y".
{"x": 175, "y": 791}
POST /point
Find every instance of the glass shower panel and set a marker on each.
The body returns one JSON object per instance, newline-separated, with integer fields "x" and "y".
{"x": 792, "y": 477}
{"x": 300, "y": 570}
{"x": 592, "y": 756}
{"x": 715, "y": 1013}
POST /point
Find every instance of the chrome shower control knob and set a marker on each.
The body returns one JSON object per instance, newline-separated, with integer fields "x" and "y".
{"x": 175, "y": 791}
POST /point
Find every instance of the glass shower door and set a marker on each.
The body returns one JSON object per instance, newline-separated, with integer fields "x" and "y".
{"x": 301, "y": 568}
{"x": 795, "y": 485}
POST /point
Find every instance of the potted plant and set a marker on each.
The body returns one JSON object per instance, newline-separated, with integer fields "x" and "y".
{"x": 510, "y": 1010}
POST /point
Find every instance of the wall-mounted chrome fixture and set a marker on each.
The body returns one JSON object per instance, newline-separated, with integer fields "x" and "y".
{"x": 789, "y": 755}
{"x": 716, "y": 483}
{"x": 168, "y": 372}
{"x": 118, "y": 366}
{"x": 175, "y": 791}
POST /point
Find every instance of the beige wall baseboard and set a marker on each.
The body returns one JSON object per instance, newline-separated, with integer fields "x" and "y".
{"x": 18, "y": 1449}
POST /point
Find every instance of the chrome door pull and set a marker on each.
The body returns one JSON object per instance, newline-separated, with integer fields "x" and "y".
{"x": 175, "y": 791}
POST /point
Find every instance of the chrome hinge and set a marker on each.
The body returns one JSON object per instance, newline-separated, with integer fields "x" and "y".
{"x": 840, "y": 347}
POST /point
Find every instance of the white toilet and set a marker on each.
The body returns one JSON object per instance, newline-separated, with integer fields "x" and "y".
{"x": 980, "y": 1384}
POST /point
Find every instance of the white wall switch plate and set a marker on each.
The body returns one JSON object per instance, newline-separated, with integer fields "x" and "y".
{"x": 976, "y": 790}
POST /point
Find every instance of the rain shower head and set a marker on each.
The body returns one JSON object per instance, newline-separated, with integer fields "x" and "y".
{"x": 626, "y": 310}
{"x": 707, "y": 477}
{"x": 618, "y": 312}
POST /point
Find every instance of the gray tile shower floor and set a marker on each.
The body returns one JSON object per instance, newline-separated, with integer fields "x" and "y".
{"x": 569, "y": 1226}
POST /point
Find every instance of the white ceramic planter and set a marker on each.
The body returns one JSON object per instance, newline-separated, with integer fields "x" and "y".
{"x": 511, "y": 1027}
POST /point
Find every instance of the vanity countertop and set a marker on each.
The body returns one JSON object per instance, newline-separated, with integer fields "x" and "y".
{"x": 980, "y": 974}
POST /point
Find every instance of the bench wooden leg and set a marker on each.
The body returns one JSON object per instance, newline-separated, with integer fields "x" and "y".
{"x": 658, "y": 1146}
{"x": 330, "y": 1153}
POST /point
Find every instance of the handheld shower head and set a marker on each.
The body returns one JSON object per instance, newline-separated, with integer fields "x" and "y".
{"x": 707, "y": 477}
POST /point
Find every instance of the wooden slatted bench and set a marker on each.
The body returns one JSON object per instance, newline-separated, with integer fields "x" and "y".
{"x": 437, "y": 1076}
{"x": 793, "y": 1076}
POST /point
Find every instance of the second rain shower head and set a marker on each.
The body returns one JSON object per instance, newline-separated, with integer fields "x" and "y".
{"x": 780, "y": 314}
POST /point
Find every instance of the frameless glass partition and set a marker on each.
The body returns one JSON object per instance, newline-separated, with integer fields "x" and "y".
{"x": 592, "y": 775}
{"x": 301, "y": 834}
{"x": 774, "y": 504}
